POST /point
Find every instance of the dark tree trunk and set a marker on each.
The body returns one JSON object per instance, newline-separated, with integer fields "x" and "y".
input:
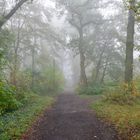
{"x": 11, "y": 13}
{"x": 130, "y": 44}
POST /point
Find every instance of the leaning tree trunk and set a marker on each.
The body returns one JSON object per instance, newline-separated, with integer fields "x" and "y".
{"x": 5, "y": 18}
{"x": 130, "y": 44}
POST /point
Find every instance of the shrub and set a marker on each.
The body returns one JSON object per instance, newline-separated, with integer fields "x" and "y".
{"x": 26, "y": 97}
{"x": 91, "y": 90}
{"x": 120, "y": 98}
{"x": 123, "y": 95}
{"x": 121, "y": 107}
{"x": 8, "y": 100}
{"x": 15, "y": 124}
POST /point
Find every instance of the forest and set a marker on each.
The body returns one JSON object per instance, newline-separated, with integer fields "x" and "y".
{"x": 69, "y": 70}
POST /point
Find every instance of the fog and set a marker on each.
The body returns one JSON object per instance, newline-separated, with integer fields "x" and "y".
{"x": 66, "y": 66}
{"x": 66, "y": 41}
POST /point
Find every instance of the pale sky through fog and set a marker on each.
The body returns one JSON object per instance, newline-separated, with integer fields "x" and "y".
{"x": 58, "y": 22}
{"x": 48, "y": 3}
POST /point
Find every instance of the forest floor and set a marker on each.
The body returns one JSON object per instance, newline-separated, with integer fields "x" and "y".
{"x": 70, "y": 119}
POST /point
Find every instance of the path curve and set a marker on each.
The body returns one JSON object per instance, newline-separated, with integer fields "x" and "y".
{"x": 70, "y": 119}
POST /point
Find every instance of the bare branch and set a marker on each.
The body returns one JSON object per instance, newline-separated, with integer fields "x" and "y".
{"x": 11, "y": 13}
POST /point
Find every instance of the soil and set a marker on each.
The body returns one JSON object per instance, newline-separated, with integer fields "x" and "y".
{"x": 70, "y": 119}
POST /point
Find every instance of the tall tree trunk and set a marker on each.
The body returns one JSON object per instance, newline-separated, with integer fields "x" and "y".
{"x": 83, "y": 77}
{"x": 16, "y": 56}
{"x": 33, "y": 63}
{"x": 15, "y": 63}
{"x": 130, "y": 44}
{"x": 54, "y": 75}
{"x": 15, "y": 68}
{"x": 13, "y": 75}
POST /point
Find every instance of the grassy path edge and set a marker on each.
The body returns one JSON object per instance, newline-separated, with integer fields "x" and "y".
{"x": 125, "y": 118}
{"x": 14, "y": 125}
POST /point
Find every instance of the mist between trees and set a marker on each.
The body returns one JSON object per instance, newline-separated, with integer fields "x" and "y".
{"x": 88, "y": 45}
{"x": 94, "y": 40}
{"x": 87, "y": 42}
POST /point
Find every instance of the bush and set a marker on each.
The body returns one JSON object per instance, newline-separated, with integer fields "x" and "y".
{"x": 26, "y": 97}
{"x": 8, "y": 100}
{"x": 121, "y": 107}
{"x": 121, "y": 98}
{"x": 123, "y": 95}
{"x": 14, "y": 124}
{"x": 91, "y": 90}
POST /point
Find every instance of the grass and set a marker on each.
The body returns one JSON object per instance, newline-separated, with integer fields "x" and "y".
{"x": 125, "y": 118}
{"x": 120, "y": 107}
{"x": 14, "y": 124}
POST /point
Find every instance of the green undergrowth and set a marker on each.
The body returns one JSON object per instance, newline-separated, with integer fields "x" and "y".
{"x": 90, "y": 90}
{"x": 14, "y": 124}
{"x": 96, "y": 89}
{"x": 123, "y": 111}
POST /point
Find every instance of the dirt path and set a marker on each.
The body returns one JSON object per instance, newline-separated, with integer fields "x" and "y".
{"x": 70, "y": 119}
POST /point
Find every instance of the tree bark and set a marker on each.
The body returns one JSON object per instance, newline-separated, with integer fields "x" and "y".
{"x": 15, "y": 67}
{"x": 15, "y": 59}
{"x": 130, "y": 44}
{"x": 54, "y": 75}
{"x": 83, "y": 77}
{"x": 11, "y": 13}
{"x": 33, "y": 63}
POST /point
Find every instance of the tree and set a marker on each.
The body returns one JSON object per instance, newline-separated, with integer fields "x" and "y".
{"x": 81, "y": 16}
{"x": 130, "y": 43}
